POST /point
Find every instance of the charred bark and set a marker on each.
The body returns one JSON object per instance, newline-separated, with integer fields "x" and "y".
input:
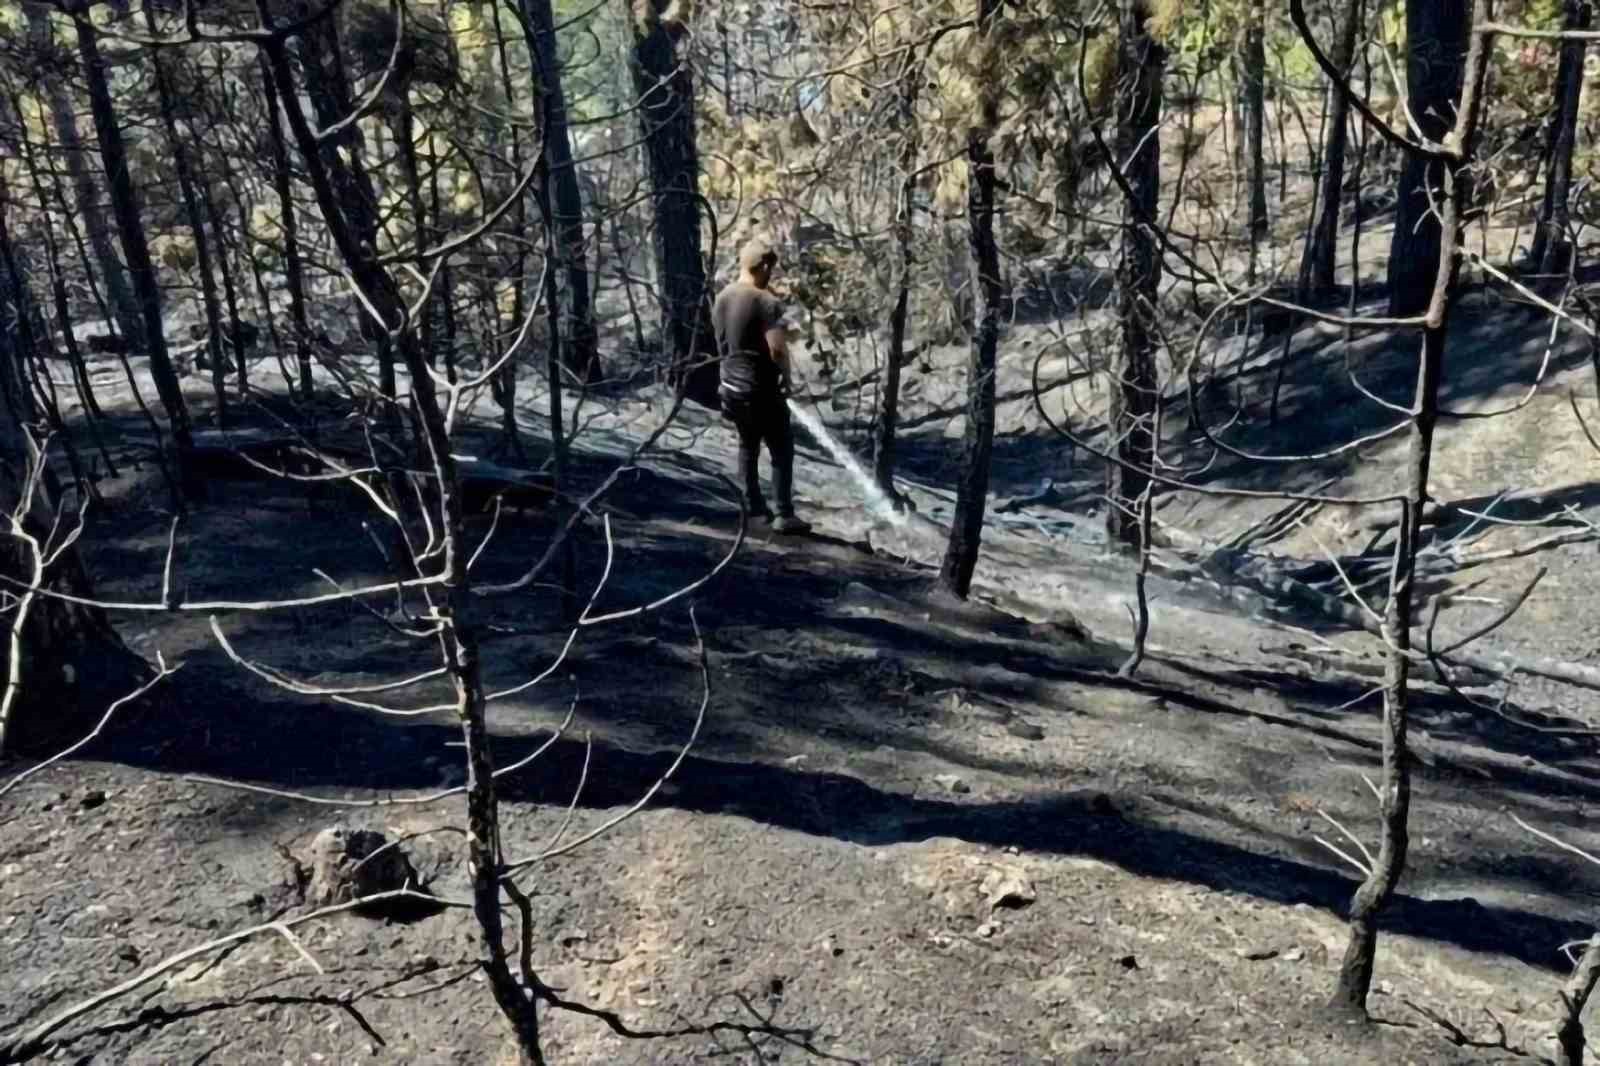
{"x": 883, "y": 444}
{"x": 1254, "y": 105}
{"x": 122, "y": 304}
{"x": 70, "y": 664}
{"x": 1454, "y": 176}
{"x": 667, "y": 119}
{"x": 1317, "y": 269}
{"x": 972, "y": 488}
{"x": 1131, "y": 411}
{"x": 581, "y": 348}
{"x": 1436, "y": 46}
{"x": 292, "y": 271}
{"x": 343, "y": 155}
{"x": 1552, "y": 246}
{"x": 453, "y": 614}
{"x": 124, "y": 199}
{"x": 197, "y": 227}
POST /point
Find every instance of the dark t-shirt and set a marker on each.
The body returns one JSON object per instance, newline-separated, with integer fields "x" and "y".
{"x": 741, "y": 317}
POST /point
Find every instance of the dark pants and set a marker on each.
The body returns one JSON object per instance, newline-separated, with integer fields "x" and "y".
{"x": 763, "y": 417}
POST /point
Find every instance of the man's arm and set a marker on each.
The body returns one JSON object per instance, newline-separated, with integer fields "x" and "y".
{"x": 777, "y": 337}
{"x": 778, "y": 345}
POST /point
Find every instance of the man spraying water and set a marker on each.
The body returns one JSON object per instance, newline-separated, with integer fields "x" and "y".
{"x": 752, "y": 341}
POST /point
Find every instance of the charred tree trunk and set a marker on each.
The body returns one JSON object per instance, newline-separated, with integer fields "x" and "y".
{"x": 344, "y": 160}
{"x": 455, "y": 611}
{"x": 197, "y": 227}
{"x": 64, "y": 662}
{"x": 58, "y": 283}
{"x": 230, "y": 292}
{"x": 113, "y": 158}
{"x": 1436, "y": 45}
{"x": 291, "y": 237}
{"x": 1254, "y": 107}
{"x": 123, "y": 306}
{"x": 1322, "y": 249}
{"x": 1552, "y": 249}
{"x": 553, "y": 367}
{"x": 444, "y": 328}
{"x": 883, "y": 444}
{"x": 667, "y": 117}
{"x": 505, "y": 387}
{"x": 1454, "y": 176}
{"x": 402, "y": 124}
{"x": 582, "y": 355}
{"x": 972, "y": 489}
{"x": 43, "y": 403}
{"x": 1131, "y": 412}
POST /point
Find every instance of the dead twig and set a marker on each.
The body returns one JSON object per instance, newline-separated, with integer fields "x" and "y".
{"x": 36, "y": 1039}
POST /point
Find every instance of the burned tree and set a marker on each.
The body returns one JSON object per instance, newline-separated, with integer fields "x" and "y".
{"x": 1552, "y": 246}
{"x": 883, "y": 442}
{"x": 63, "y": 659}
{"x": 581, "y": 356}
{"x": 1321, "y": 251}
{"x": 1444, "y": 160}
{"x": 977, "y": 443}
{"x": 1130, "y": 415}
{"x": 1436, "y": 45}
{"x": 130, "y": 224}
{"x": 667, "y": 120}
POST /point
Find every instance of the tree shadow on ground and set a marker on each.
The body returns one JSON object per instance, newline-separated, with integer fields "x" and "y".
{"x": 799, "y": 600}
{"x": 212, "y": 723}
{"x": 1319, "y": 409}
{"x": 347, "y": 750}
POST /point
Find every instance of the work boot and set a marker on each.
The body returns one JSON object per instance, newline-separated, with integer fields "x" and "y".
{"x": 758, "y": 511}
{"x": 791, "y": 523}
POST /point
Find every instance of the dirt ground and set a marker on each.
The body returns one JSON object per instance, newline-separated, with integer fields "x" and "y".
{"x": 906, "y": 832}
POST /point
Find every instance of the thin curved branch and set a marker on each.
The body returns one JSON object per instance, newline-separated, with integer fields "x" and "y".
{"x": 1297, "y": 15}
{"x": 683, "y": 753}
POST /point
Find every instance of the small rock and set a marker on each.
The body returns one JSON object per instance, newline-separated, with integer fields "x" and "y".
{"x": 92, "y": 799}
{"x": 1024, "y": 730}
{"x": 348, "y": 864}
{"x": 1128, "y": 962}
{"x": 988, "y": 929}
{"x": 1008, "y": 889}
{"x": 129, "y": 954}
{"x": 1294, "y": 954}
{"x": 1257, "y": 954}
{"x": 952, "y": 783}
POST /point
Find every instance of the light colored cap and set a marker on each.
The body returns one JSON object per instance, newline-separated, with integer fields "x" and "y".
{"x": 757, "y": 254}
